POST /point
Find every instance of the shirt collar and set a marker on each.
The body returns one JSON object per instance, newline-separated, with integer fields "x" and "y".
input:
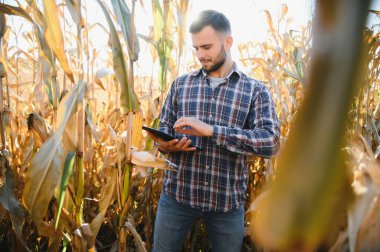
{"x": 235, "y": 71}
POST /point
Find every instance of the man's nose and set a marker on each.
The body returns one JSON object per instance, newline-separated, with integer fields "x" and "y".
{"x": 200, "y": 53}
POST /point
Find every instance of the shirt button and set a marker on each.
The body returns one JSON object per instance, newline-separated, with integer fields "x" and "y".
{"x": 210, "y": 115}
{"x": 207, "y": 167}
{"x": 206, "y": 183}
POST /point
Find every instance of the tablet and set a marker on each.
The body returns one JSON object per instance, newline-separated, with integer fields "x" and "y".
{"x": 164, "y": 136}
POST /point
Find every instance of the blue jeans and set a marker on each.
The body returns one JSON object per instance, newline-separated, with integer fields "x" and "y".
{"x": 174, "y": 220}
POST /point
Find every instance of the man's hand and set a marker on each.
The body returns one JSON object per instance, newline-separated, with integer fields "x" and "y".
{"x": 193, "y": 126}
{"x": 172, "y": 145}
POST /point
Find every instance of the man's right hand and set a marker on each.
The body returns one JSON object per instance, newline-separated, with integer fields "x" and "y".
{"x": 172, "y": 145}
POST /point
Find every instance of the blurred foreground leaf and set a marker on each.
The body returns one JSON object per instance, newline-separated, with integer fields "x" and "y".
{"x": 311, "y": 185}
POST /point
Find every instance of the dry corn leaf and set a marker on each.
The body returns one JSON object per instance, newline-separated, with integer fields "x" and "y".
{"x": 53, "y": 36}
{"x": 363, "y": 214}
{"x": 3, "y": 26}
{"x": 368, "y": 236}
{"x": 182, "y": 10}
{"x": 137, "y": 136}
{"x": 70, "y": 135}
{"x": 140, "y": 244}
{"x": 105, "y": 200}
{"x": 40, "y": 128}
{"x": 27, "y": 151}
{"x": 102, "y": 73}
{"x": 270, "y": 24}
{"x": 9, "y": 201}
{"x": 83, "y": 238}
{"x": 146, "y": 159}
{"x": 46, "y": 167}
{"x": 74, "y": 7}
{"x": 13, "y": 10}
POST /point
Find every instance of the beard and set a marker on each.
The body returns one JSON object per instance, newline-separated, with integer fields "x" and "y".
{"x": 218, "y": 62}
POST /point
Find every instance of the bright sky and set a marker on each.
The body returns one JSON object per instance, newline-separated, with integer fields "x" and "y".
{"x": 247, "y": 17}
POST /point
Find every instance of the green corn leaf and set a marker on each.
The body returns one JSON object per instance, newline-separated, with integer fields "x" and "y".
{"x": 123, "y": 17}
{"x": 125, "y": 194}
{"x": 67, "y": 170}
{"x": 128, "y": 98}
{"x": 162, "y": 38}
{"x": 155, "y": 124}
{"x": 158, "y": 20}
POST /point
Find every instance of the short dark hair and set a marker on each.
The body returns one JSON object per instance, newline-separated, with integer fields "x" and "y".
{"x": 218, "y": 21}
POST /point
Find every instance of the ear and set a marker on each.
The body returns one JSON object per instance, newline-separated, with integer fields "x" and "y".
{"x": 228, "y": 41}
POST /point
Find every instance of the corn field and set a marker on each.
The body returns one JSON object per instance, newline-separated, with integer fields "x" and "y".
{"x": 79, "y": 174}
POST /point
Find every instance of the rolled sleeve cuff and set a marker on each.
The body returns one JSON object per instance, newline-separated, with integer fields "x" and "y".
{"x": 220, "y": 135}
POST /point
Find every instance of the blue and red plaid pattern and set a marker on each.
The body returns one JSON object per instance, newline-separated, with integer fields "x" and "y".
{"x": 242, "y": 113}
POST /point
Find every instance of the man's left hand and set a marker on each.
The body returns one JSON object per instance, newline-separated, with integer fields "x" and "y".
{"x": 193, "y": 126}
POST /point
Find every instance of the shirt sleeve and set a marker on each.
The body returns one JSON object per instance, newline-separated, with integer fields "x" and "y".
{"x": 169, "y": 111}
{"x": 261, "y": 134}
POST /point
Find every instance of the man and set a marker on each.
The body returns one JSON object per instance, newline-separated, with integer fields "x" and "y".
{"x": 228, "y": 115}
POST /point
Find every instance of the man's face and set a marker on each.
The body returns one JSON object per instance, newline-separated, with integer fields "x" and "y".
{"x": 209, "y": 48}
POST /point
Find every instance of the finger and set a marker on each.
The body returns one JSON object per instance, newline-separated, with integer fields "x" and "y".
{"x": 172, "y": 142}
{"x": 178, "y": 121}
{"x": 181, "y": 143}
{"x": 169, "y": 144}
{"x": 186, "y": 144}
{"x": 187, "y": 131}
{"x": 178, "y": 128}
{"x": 182, "y": 125}
{"x": 178, "y": 124}
{"x": 186, "y": 147}
{"x": 181, "y": 121}
{"x": 190, "y": 149}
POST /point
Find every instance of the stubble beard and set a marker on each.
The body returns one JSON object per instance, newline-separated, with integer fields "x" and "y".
{"x": 218, "y": 64}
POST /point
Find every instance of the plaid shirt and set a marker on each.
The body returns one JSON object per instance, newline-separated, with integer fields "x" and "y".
{"x": 242, "y": 113}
